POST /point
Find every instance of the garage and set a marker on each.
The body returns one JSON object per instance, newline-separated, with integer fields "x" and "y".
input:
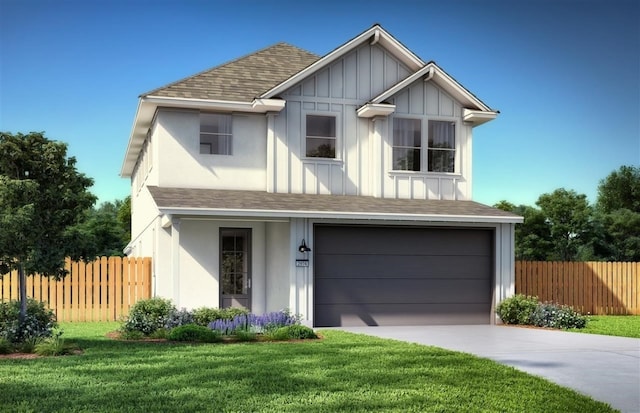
{"x": 400, "y": 275}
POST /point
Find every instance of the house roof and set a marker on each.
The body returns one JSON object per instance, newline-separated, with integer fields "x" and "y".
{"x": 242, "y": 79}
{"x": 196, "y": 201}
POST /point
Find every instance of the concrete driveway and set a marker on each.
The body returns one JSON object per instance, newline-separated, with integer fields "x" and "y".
{"x": 603, "y": 367}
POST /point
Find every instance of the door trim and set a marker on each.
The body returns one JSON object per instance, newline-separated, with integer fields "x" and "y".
{"x": 248, "y": 233}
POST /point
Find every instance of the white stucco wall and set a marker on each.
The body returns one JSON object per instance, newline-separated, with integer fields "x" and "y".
{"x": 181, "y": 165}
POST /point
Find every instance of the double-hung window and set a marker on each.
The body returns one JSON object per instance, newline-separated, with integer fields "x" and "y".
{"x": 442, "y": 146}
{"x": 215, "y": 133}
{"x": 407, "y": 138}
{"x": 321, "y": 136}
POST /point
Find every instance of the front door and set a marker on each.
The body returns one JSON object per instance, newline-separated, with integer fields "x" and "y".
{"x": 235, "y": 267}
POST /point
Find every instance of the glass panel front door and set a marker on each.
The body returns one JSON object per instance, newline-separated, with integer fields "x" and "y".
{"x": 235, "y": 272}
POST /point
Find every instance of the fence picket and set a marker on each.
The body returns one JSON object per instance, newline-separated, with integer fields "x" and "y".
{"x": 92, "y": 291}
{"x": 590, "y": 287}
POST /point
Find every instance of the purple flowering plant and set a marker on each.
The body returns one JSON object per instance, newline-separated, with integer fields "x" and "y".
{"x": 255, "y": 323}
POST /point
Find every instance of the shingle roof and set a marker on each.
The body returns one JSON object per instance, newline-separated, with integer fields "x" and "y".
{"x": 242, "y": 79}
{"x": 315, "y": 205}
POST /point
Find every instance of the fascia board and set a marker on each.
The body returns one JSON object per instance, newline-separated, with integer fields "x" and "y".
{"x": 371, "y": 110}
{"x": 441, "y": 78}
{"x": 396, "y": 48}
{"x": 477, "y": 117}
{"x": 341, "y": 215}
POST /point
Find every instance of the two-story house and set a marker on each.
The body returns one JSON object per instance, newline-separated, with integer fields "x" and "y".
{"x": 337, "y": 186}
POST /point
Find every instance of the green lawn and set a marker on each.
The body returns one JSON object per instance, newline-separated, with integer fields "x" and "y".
{"x": 342, "y": 372}
{"x": 613, "y": 325}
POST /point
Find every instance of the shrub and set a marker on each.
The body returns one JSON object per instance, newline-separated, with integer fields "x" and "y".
{"x": 5, "y": 346}
{"x": 39, "y": 322}
{"x": 245, "y": 335}
{"x": 557, "y": 316}
{"x": 299, "y": 332}
{"x": 146, "y": 316}
{"x": 194, "y": 332}
{"x": 54, "y": 346}
{"x": 517, "y": 309}
{"x": 205, "y": 315}
{"x": 274, "y": 320}
{"x": 178, "y": 318}
{"x": 277, "y": 334}
{"x": 131, "y": 335}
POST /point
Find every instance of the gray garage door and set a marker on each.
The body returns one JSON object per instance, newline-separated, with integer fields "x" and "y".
{"x": 365, "y": 275}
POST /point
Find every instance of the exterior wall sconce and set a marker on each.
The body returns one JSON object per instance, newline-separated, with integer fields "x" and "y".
{"x": 303, "y": 247}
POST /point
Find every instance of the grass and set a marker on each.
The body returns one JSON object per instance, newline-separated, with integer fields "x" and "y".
{"x": 342, "y": 373}
{"x": 613, "y": 325}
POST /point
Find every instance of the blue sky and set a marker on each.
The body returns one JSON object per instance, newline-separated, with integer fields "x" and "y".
{"x": 565, "y": 74}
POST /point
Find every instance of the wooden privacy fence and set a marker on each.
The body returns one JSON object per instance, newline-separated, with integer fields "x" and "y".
{"x": 102, "y": 290}
{"x": 603, "y": 288}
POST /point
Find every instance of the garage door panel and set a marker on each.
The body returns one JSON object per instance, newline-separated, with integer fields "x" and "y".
{"x": 402, "y": 240}
{"x": 403, "y": 314}
{"x": 366, "y": 275}
{"x": 398, "y": 291}
{"x": 401, "y": 266}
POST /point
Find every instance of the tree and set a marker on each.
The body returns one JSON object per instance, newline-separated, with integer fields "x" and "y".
{"x": 101, "y": 232}
{"x": 42, "y": 198}
{"x": 124, "y": 218}
{"x": 618, "y": 215}
{"x": 620, "y": 189}
{"x": 532, "y": 237}
{"x": 568, "y": 216}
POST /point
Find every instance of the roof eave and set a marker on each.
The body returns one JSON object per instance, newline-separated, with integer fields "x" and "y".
{"x": 486, "y": 219}
{"x": 477, "y": 117}
{"x": 148, "y": 105}
{"x": 376, "y": 32}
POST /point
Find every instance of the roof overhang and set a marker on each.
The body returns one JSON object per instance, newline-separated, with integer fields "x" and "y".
{"x": 266, "y": 213}
{"x": 477, "y": 117}
{"x": 148, "y": 105}
{"x": 203, "y": 202}
{"x": 371, "y": 110}
{"x": 375, "y": 35}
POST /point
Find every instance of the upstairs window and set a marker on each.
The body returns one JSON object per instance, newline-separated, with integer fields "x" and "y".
{"x": 321, "y": 136}
{"x": 442, "y": 146}
{"x": 215, "y": 133}
{"x": 407, "y": 137}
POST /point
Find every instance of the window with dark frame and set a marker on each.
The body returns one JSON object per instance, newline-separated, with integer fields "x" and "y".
{"x": 321, "y": 136}
{"x": 407, "y": 143}
{"x": 215, "y": 133}
{"x": 441, "y": 146}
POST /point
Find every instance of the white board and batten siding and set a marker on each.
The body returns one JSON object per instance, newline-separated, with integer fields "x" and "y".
{"x": 363, "y": 146}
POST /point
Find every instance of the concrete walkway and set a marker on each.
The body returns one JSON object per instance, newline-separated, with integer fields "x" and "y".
{"x": 603, "y": 367}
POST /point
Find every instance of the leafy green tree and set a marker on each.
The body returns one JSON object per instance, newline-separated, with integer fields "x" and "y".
{"x": 42, "y": 198}
{"x": 618, "y": 216}
{"x": 620, "y": 189}
{"x": 124, "y": 218}
{"x": 101, "y": 231}
{"x": 532, "y": 237}
{"x": 568, "y": 217}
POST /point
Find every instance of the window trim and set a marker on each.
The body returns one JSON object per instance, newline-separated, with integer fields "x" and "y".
{"x": 230, "y": 134}
{"x": 424, "y": 153}
{"x": 337, "y": 138}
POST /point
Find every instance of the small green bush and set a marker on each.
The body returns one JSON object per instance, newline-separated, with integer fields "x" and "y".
{"x": 5, "y": 346}
{"x": 54, "y": 346}
{"x": 517, "y": 309}
{"x": 300, "y": 332}
{"x": 147, "y": 316}
{"x": 204, "y": 315}
{"x": 131, "y": 335}
{"x": 39, "y": 322}
{"x": 245, "y": 335}
{"x": 194, "y": 332}
{"x": 278, "y": 334}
